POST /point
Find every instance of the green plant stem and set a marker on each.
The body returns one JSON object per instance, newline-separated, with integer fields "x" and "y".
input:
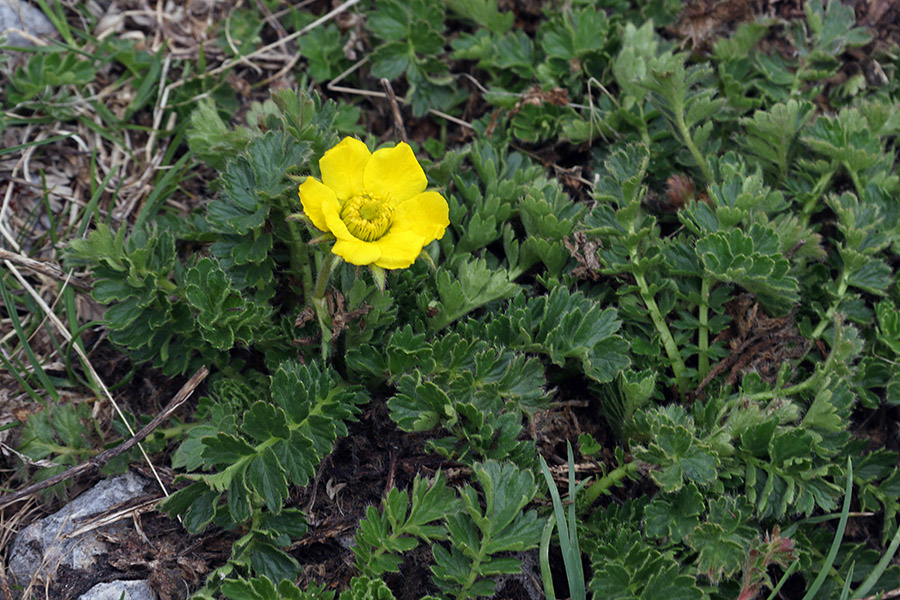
{"x": 475, "y": 569}
{"x": 318, "y": 301}
{"x": 857, "y": 184}
{"x": 167, "y": 285}
{"x": 691, "y": 146}
{"x": 662, "y": 328}
{"x": 703, "y": 334}
{"x": 811, "y": 203}
{"x": 788, "y": 391}
{"x": 645, "y": 133}
{"x": 843, "y": 283}
{"x": 610, "y": 480}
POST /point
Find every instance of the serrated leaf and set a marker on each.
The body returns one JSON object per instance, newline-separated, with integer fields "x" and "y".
{"x": 674, "y": 515}
{"x": 680, "y": 458}
{"x": 473, "y": 286}
{"x": 421, "y": 406}
{"x": 265, "y": 476}
{"x": 225, "y": 449}
{"x": 749, "y": 260}
{"x": 272, "y": 562}
{"x": 201, "y": 511}
{"x": 264, "y": 421}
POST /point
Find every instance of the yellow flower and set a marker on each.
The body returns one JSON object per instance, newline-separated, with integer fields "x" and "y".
{"x": 375, "y": 204}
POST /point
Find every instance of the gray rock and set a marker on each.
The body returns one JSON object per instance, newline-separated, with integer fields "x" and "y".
{"x": 17, "y": 14}
{"x": 116, "y": 590}
{"x": 42, "y": 547}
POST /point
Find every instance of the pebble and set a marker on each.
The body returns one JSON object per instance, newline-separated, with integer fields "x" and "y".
{"x": 17, "y": 14}
{"x": 42, "y": 547}
{"x": 119, "y": 590}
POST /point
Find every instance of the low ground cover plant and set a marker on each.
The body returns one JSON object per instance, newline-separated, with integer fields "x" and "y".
{"x": 568, "y": 249}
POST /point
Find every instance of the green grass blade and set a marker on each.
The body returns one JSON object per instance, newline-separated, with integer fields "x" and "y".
{"x": 57, "y": 16}
{"x": 49, "y": 140}
{"x": 558, "y": 511}
{"x": 546, "y": 574}
{"x": 784, "y": 579}
{"x": 838, "y": 536}
{"x": 23, "y": 339}
{"x": 11, "y": 369}
{"x": 161, "y": 190}
{"x": 879, "y": 569}
{"x": 845, "y": 593}
{"x": 574, "y": 569}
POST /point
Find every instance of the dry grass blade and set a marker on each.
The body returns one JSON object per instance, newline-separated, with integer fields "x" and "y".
{"x": 245, "y": 58}
{"x": 44, "y": 268}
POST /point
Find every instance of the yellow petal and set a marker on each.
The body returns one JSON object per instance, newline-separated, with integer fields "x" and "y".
{"x": 394, "y": 173}
{"x": 357, "y": 252}
{"x": 331, "y": 212}
{"x": 426, "y": 214}
{"x": 399, "y": 249}
{"x": 313, "y": 195}
{"x": 343, "y": 166}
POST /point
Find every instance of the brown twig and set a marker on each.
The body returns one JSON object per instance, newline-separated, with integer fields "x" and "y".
{"x": 391, "y": 472}
{"x": 96, "y": 462}
{"x": 395, "y": 109}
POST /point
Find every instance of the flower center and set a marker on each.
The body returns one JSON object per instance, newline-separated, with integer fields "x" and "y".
{"x": 367, "y": 218}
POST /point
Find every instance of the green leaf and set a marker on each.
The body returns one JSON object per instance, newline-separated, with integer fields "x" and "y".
{"x": 272, "y": 562}
{"x": 888, "y": 325}
{"x": 224, "y": 449}
{"x": 483, "y": 13}
{"x": 680, "y": 457}
{"x": 751, "y": 260}
{"x": 390, "y": 60}
{"x": 674, "y": 515}
{"x": 202, "y": 508}
{"x": 472, "y": 286}
{"x": 874, "y": 276}
{"x": 265, "y": 476}
{"x": 773, "y": 135}
{"x": 264, "y": 421}
{"x": 475, "y": 534}
{"x": 365, "y": 588}
{"x": 390, "y": 21}
{"x": 834, "y": 26}
{"x": 723, "y": 541}
{"x": 381, "y": 537}
{"x": 421, "y": 407}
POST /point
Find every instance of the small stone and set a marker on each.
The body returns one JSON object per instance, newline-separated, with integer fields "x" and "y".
{"x": 119, "y": 590}
{"x": 16, "y": 14}
{"x": 43, "y": 546}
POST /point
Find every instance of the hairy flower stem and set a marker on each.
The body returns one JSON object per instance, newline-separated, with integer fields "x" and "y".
{"x": 299, "y": 252}
{"x": 319, "y": 303}
{"x": 703, "y": 334}
{"x": 608, "y": 481}
{"x": 662, "y": 328}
